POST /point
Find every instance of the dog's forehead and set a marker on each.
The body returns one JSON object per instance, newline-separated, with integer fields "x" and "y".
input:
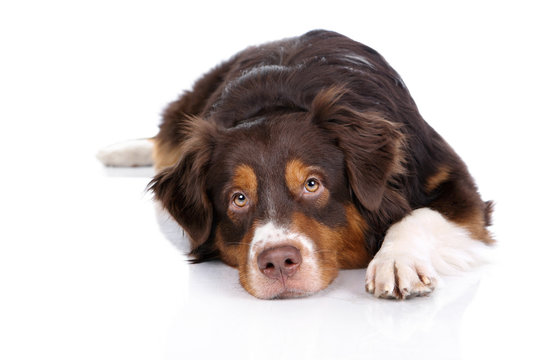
{"x": 265, "y": 163}
{"x": 268, "y": 144}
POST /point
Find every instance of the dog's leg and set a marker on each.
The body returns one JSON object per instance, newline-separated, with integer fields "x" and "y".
{"x": 418, "y": 249}
{"x": 128, "y": 153}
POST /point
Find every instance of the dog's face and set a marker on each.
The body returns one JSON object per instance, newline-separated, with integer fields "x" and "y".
{"x": 280, "y": 196}
{"x": 282, "y": 207}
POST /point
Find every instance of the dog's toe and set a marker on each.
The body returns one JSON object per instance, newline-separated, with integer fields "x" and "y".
{"x": 397, "y": 279}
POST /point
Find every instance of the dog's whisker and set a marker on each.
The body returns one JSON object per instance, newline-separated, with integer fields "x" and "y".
{"x": 325, "y": 251}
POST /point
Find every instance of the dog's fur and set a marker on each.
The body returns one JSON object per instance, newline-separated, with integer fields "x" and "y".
{"x": 239, "y": 155}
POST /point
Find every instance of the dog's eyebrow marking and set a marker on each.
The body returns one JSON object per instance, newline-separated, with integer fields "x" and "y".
{"x": 245, "y": 179}
{"x": 296, "y": 174}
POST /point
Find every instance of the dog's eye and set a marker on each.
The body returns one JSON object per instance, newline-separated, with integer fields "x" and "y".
{"x": 312, "y": 185}
{"x": 240, "y": 200}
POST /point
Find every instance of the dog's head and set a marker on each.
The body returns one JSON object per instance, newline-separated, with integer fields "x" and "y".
{"x": 281, "y": 194}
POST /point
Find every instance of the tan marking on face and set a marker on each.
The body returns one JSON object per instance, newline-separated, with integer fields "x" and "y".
{"x": 339, "y": 248}
{"x": 234, "y": 255}
{"x": 296, "y": 175}
{"x": 438, "y": 178}
{"x": 321, "y": 235}
{"x": 245, "y": 181}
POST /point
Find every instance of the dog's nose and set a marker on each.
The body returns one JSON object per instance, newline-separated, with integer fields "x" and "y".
{"x": 280, "y": 261}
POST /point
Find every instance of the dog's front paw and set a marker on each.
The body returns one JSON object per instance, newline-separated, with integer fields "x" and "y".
{"x": 399, "y": 277}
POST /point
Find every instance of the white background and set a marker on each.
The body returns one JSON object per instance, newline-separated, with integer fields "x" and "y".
{"x": 90, "y": 270}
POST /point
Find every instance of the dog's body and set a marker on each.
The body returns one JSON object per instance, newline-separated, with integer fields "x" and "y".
{"x": 298, "y": 158}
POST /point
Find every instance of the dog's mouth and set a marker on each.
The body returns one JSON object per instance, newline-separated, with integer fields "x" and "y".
{"x": 287, "y": 289}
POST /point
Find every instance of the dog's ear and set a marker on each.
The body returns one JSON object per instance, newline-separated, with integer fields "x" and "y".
{"x": 182, "y": 189}
{"x": 371, "y": 144}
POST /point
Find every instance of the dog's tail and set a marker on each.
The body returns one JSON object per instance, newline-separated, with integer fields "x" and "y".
{"x": 128, "y": 153}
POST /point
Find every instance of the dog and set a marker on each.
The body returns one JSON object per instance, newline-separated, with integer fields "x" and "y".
{"x": 301, "y": 157}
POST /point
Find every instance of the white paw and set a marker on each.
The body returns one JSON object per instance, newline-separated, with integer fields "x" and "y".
{"x": 127, "y": 154}
{"x": 399, "y": 277}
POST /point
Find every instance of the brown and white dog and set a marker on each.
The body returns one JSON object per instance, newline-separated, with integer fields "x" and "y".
{"x": 301, "y": 157}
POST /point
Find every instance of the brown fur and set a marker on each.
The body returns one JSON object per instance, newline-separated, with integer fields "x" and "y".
{"x": 270, "y": 117}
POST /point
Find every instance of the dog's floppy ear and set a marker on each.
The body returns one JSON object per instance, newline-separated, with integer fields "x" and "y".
{"x": 371, "y": 144}
{"x": 182, "y": 188}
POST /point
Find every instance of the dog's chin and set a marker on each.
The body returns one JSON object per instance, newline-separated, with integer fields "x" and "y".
{"x": 296, "y": 287}
{"x": 292, "y": 293}
{"x": 282, "y": 293}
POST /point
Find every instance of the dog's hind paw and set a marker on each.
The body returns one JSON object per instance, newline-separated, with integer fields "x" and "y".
{"x": 127, "y": 154}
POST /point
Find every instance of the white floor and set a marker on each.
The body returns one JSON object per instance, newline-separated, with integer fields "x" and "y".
{"x": 103, "y": 276}
{"x": 91, "y": 269}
